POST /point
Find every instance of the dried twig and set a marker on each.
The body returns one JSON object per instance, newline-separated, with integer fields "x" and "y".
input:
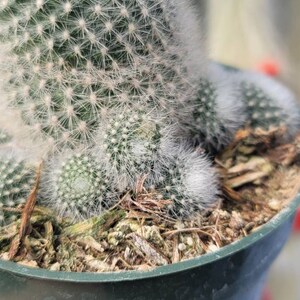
{"x": 151, "y": 252}
{"x": 171, "y": 233}
{"x": 29, "y": 206}
{"x": 26, "y": 215}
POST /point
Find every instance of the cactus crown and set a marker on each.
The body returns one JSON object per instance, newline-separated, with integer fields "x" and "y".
{"x": 210, "y": 117}
{"x": 205, "y": 123}
{"x": 76, "y": 185}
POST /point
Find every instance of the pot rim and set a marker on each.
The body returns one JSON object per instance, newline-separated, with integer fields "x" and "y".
{"x": 90, "y": 277}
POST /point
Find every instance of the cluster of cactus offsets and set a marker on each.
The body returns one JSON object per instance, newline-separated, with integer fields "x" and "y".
{"x": 76, "y": 185}
{"x": 127, "y": 81}
{"x": 269, "y": 104}
{"x": 16, "y": 181}
{"x": 130, "y": 144}
{"x": 189, "y": 181}
{"x": 70, "y": 61}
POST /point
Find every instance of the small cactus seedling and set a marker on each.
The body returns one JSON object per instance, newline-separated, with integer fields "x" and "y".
{"x": 16, "y": 181}
{"x": 268, "y": 103}
{"x": 189, "y": 181}
{"x": 75, "y": 185}
{"x": 262, "y": 112}
{"x": 214, "y": 114}
{"x": 129, "y": 144}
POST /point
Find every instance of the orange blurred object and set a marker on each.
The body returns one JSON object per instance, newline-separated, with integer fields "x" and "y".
{"x": 269, "y": 67}
{"x": 296, "y": 225}
{"x": 266, "y": 295}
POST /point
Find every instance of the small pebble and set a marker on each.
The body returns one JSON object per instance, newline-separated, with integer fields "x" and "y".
{"x": 212, "y": 248}
{"x": 274, "y": 204}
{"x": 28, "y": 263}
{"x": 181, "y": 247}
{"x": 236, "y": 221}
{"x": 190, "y": 241}
{"x": 55, "y": 267}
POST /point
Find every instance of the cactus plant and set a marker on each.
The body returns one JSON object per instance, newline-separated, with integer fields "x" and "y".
{"x": 75, "y": 185}
{"x": 188, "y": 180}
{"x": 73, "y": 65}
{"x": 211, "y": 114}
{"x": 130, "y": 144}
{"x": 71, "y": 61}
{"x": 17, "y": 179}
{"x": 114, "y": 77}
{"x": 268, "y": 103}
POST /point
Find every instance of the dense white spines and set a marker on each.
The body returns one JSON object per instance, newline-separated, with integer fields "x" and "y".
{"x": 188, "y": 180}
{"x": 269, "y": 104}
{"x": 76, "y": 185}
{"x": 126, "y": 80}
{"x": 129, "y": 144}
{"x": 214, "y": 114}
{"x": 69, "y": 61}
{"x": 16, "y": 181}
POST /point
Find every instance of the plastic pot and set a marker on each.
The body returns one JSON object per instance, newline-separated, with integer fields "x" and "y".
{"x": 236, "y": 271}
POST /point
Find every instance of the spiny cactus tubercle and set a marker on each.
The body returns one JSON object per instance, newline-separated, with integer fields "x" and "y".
{"x": 130, "y": 144}
{"x": 261, "y": 109}
{"x": 74, "y": 60}
{"x": 213, "y": 115}
{"x": 76, "y": 185}
{"x": 188, "y": 180}
{"x": 269, "y": 104}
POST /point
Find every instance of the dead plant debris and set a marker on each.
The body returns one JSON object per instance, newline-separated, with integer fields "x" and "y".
{"x": 259, "y": 178}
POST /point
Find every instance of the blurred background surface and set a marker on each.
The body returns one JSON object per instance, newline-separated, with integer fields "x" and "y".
{"x": 284, "y": 277}
{"x": 254, "y": 34}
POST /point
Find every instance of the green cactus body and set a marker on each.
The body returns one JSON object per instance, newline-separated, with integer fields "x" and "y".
{"x": 172, "y": 187}
{"x": 76, "y": 186}
{"x": 105, "y": 34}
{"x": 72, "y": 60}
{"x": 204, "y": 115}
{"x": 16, "y": 181}
{"x": 189, "y": 181}
{"x": 129, "y": 144}
{"x": 213, "y": 115}
{"x": 262, "y": 110}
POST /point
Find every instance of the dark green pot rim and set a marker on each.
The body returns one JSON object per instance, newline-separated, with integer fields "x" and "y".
{"x": 159, "y": 271}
